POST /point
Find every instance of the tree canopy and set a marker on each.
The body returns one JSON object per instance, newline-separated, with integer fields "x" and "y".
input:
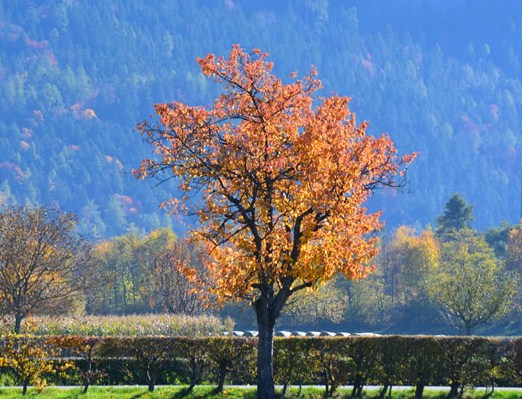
{"x": 457, "y": 216}
{"x": 470, "y": 287}
{"x": 283, "y": 176}
{"x": 42, "y": 261}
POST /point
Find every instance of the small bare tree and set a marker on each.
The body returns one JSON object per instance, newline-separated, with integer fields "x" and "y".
{"x": 43, "y": 262}
{"x": 177, "y": 294}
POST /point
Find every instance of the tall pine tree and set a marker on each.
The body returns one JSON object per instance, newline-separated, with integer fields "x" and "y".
{"x": 457, "y": 216}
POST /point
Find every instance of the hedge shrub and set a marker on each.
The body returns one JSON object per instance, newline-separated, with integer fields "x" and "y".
{"x": 456, "y": 362}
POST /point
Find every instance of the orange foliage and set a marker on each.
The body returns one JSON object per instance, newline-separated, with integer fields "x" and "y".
{"x": 284, "y": 176}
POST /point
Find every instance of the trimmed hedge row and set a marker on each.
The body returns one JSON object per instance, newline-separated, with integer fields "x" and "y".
{"x": 456, "y": 362}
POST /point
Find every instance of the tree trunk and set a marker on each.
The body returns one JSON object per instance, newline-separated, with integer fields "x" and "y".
{"x": 88, "y": 373}
{"x": 357, "y": 387}
{"x": 382, "y": 393}
{"x": 221, "y": 379}
{"x": 419, "y": 390}
{"x": 285, "y": 387}
{"x": 18, "y": 323}
{"x": 326, "y": 383}
{"x": 492, "y": 388}
{"x": 151, "y": 380}
{"x": 454, "y": 390}
{"x": 86, "y": 381}
{"x": 24, "y": 388}
{"x": 265, "y": 374}
{"x": 193, "y": 377}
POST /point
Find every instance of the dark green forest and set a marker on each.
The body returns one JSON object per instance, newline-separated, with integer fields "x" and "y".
{"x": 442, "y": 78}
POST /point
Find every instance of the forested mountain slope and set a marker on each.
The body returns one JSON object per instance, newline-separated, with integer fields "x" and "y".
{"x": 443, "y": 78}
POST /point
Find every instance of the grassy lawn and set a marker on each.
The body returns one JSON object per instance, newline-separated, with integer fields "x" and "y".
{"x": 204, "y": 392}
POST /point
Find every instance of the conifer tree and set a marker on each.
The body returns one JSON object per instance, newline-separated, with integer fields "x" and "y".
{"x": 457, "y": 216}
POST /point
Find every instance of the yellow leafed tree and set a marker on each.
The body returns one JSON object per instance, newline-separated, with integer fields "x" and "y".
{"x": 44, "y": 264}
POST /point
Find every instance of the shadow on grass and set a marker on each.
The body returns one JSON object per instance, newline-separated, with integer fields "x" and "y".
{"x": 193, "y": 394}
{"x": 210, "y": 393}
{"x": 182, "y": 394}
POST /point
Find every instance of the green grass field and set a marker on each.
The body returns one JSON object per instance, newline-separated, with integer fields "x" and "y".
{"x": 205, "y": 392}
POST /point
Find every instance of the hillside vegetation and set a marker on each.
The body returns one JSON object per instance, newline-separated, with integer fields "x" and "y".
{"x": 443, "y": 78}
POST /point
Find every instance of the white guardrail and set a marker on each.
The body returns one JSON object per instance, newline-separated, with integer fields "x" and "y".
{"x": 281, "y": 333}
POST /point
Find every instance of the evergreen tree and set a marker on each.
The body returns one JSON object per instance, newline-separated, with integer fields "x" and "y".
{"x": 457, "y": 216}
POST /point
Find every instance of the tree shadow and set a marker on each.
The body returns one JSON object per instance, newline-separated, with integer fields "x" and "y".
{"x": 183, "y": 393}
{"x": 209, "y": 394}
{"x": 190, "y": 391}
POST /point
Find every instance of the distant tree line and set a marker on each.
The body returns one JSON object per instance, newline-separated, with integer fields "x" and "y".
{"x": 449, "y": 279}
{"x": 453, "y": 275}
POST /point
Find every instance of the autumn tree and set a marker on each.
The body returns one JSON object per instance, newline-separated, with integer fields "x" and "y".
{"x": 398, "y": 285}
{"x": 470, "y": 287}
{"x": 175, "y": 293}
{"x": 30, "y": 358}
{"x": 143, "y": 275}
{"x": 414, "y": 256}
{"x": 82, "y": 347}
{"x": 124, "y": 263}
{"x": 44, "y": 263}
{"x": 283, "y": 175}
